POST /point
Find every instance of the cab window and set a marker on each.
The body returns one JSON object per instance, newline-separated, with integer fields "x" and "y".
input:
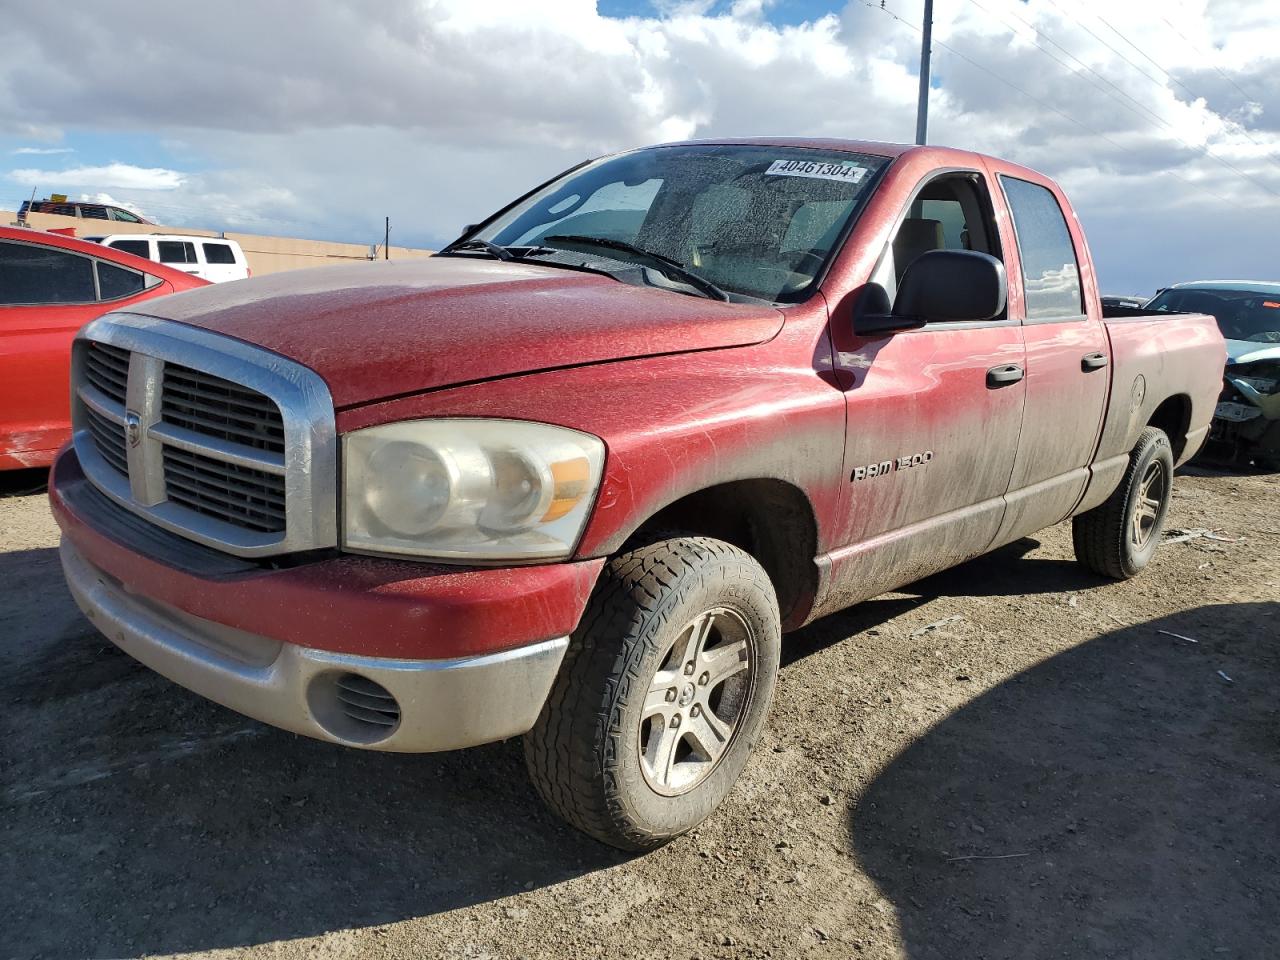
{"x": 951, "y": 212}
{"x": 1050, "y": 271}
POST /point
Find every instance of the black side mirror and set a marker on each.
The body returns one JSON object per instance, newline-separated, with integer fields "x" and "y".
{"x": 942, "y": 285}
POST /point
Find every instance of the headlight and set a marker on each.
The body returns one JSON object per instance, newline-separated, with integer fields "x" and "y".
{"x": 469, "y": 489}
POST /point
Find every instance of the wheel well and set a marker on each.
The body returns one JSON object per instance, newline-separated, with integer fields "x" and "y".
{"x": 770, "y": 519}
{"x": 1174, "y": 418}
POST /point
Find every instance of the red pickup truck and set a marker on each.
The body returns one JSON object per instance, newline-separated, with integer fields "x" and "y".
{"x": 574, "y": 477}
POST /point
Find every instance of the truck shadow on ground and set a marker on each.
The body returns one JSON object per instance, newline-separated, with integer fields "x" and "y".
{"x": 136, "y": 818}
{"x": 1124, "y": 792}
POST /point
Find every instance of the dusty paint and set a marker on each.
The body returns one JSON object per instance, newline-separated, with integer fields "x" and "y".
{"x": 688, "y": 394}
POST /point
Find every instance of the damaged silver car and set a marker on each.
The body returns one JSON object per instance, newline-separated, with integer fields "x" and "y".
{"x": 1246, "y": 425}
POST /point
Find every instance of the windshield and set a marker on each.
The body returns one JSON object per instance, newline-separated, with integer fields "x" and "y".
{"x": 755, "y": 221}
{"x": 1241, "y": 314}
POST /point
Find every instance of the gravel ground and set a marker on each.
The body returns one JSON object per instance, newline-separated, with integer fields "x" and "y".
{"x": 1007, "y": 760}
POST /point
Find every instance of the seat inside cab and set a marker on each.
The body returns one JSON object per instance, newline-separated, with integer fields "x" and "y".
{"x": 952, "y": 212}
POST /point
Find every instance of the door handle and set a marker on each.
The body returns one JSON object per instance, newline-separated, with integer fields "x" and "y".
{"x": 1004, "y": 375}
{"x": 1093, "y": 361}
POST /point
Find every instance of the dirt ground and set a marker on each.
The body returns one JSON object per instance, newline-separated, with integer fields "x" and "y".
{"x": 1012, "y": 759}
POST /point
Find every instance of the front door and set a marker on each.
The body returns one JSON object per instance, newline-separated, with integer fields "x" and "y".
{"x": 933, "y": 415}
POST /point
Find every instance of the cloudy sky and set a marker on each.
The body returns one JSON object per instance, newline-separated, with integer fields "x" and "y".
{"x": 316, "y": 118}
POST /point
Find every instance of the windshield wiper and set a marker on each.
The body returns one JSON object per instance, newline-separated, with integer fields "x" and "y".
{"x": 475, "y": 243}
{"x": 672, "y": 268}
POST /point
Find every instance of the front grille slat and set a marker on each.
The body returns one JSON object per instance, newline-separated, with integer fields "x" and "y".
{"x": 212, "y": 407}
{"x": 234, "y": 494}
{"x": 107, "y": 368}
{"x": 230, "y": 429}
{"x": 218, "y": 408}
{"x": 223, "y": 496}
{"x": 109, "y": 440}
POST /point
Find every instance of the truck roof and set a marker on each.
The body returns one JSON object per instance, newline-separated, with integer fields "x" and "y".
{"x": 940, "y": 155}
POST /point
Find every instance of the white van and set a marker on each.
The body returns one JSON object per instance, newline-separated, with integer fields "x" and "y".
{"x": 212, "y": 258}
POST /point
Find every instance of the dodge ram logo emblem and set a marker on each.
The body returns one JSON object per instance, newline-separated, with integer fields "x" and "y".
{"x": 133, "y": 427}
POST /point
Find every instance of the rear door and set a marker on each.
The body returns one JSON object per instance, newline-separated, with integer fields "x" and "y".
{"x": 933, "y": 414}
{"x": 1068, "y": 356}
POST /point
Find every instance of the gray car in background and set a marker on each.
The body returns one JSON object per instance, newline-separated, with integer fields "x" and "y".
{"x": 1246, "y": 425}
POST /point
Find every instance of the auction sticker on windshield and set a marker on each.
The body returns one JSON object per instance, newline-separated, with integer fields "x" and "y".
{"x": 818, "y": 169}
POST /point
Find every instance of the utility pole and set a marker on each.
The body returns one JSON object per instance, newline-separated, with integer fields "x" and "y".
{"x": 386, "y": 241}
{"x": 926, "y": 42}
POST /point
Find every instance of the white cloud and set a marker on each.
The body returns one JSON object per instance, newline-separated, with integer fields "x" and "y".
{"x": 123, "y": 175}
{"x": 42, "y": 151}
{"x": 439, "y": 112}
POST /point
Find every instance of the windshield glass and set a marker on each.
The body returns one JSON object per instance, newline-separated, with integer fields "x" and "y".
{"x": 1241, "y": 314}
{"x": 756, "y": 221}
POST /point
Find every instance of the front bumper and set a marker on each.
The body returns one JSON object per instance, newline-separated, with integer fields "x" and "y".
{"x": 434, "y": 705}
{"x": 383, "y": 660}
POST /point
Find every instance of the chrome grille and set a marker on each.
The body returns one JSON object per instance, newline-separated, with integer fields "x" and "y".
{"x": 206, "y": 436}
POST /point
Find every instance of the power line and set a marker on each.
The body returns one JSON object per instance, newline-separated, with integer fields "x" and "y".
{"x": 1191, "y": 93}
{"x": 1048, "y": 106}
{"x": 1040, "y": 33}
{"x": 1248, "y": 97}
{"x": 1200, "y": 147}
{"x": 1147, "y": 110}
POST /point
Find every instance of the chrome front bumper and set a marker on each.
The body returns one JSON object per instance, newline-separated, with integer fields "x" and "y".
{"x": 440, "y": 704}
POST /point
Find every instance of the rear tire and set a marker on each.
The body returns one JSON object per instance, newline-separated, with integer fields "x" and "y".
{"x": 1118, "y": 538}
{"x": 662, "y": 695}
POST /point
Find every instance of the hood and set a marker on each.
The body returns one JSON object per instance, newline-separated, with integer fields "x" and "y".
{"x": 1248, "y": 351}
{"x": 392, "y": 328}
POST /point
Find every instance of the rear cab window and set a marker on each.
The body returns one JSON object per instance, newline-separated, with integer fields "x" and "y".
{"x": 218, "y": 253}
{"x": 1050, "y": 268}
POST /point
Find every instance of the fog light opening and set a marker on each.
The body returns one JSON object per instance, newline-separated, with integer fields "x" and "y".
{"x": 353, "y": 708}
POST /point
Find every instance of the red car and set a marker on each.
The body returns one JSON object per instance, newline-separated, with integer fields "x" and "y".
{"x": 575, "y": 476}
{"x": 50, "y": 287}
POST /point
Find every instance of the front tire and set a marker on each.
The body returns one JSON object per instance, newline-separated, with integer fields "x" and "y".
{"x": 662, "y": 695}
{"x": 1119, "y": 537}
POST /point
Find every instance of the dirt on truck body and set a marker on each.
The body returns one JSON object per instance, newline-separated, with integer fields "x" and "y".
{"x": 574, "y": 477}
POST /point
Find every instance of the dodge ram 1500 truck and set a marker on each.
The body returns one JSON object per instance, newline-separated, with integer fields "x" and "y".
{"x": 575, "y": 476}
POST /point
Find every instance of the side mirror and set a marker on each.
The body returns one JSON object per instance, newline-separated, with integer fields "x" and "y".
{"x": 942, "y": 285}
